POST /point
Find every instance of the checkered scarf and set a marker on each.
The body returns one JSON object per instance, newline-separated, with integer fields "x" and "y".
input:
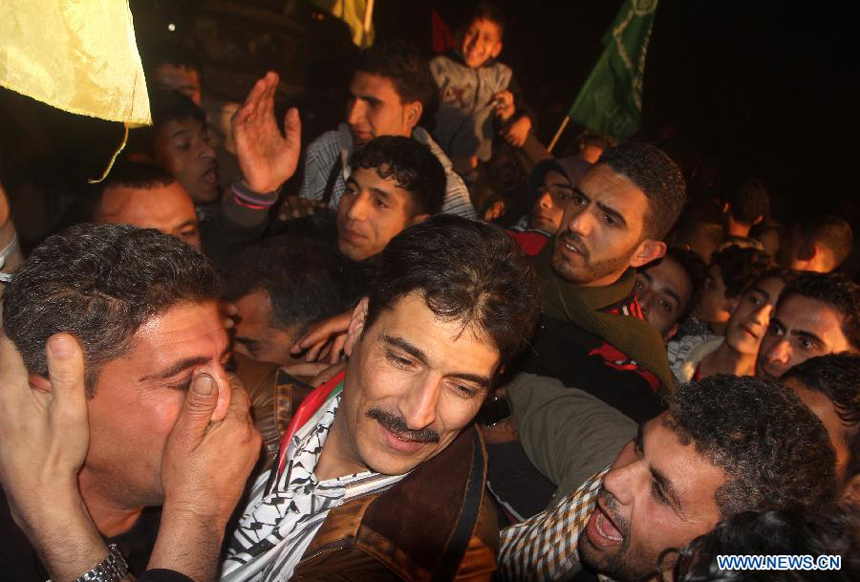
{"x": 544, "y": 547}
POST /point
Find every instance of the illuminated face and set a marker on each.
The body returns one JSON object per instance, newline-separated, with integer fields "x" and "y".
{"x": 371, "y": 211}
{"x": 553, "y": 194}
{"x": 414, "y": 382}
{"x": 714, "y": 306}
{"x": 601, "y": 229}
{"x": 664, "y": 291}
{"x": 659, "y": 494}
{"x": 748, "y": 322}
{"x": 168, "y": 209}
{"x": 138, "y": 398}
{"x": 183, "y": 148}
{"x": 180, "y": 78}
{"x": 481, "y": 42}
{"x": 256, "y": 337}
{"x": 801, "y": 328}
{"x": 375, "y": 109}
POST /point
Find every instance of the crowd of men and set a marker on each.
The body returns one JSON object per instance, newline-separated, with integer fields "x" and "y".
{"x": 366, "y": 379}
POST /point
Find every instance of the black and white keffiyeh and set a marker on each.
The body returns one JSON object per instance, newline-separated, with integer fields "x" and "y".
{"x": 282, "y": 518}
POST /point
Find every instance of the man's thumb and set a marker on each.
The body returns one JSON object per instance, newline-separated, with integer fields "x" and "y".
{"x": 200, "y": 400}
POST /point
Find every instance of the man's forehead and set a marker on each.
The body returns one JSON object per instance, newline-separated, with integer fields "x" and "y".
{"x": 380, "y": 181}
{"x": 808, "y": 314}
{"x": 602, "y": 183}
{"x": 366, "y": 84}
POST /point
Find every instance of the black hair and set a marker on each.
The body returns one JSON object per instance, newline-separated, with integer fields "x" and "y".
{"x": 412, "y": 165}
{"x": 468, "y": 272}
{"x": 652, "y": 171}
{"x": 165, "y": 106}
{"x": 829, "y": 231}
{"x": 740, "y": 266}
{"x": 748, "y": 201}
{"x": 301, "y": 275}
{"x": 589, "y": 137}
{"x": 404, "y": 66}
{"x": 835, "y": 290}
{"x": 833, "y": 531}
{"x": 100, "y": 282}
{"x": 837, "y": 376}
{"x": 491, "y": 13}
{"x": 776, "y": 453}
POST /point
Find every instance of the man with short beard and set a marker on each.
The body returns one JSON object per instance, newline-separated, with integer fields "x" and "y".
{"x": 725, "y": 445}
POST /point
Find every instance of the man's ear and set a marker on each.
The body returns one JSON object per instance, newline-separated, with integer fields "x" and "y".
{"x": 419, "y": 218}
{"x": 356, "y": 325}
{"x": 497, "y": 50}
{"x": 851, "y": 492}
{"x": 649, "y": 250}
{"x": 413, "y": 113}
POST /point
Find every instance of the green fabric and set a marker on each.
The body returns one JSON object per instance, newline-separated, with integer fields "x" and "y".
{"x": 610, "y": 101}
{"x": 581, "y": 306}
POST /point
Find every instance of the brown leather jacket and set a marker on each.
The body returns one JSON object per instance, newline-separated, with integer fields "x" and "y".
{"x": 436, "y": 524}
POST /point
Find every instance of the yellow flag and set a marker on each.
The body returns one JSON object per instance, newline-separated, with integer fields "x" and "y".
{"x": 356, "y": 14}
{"x": 76, "y": 55}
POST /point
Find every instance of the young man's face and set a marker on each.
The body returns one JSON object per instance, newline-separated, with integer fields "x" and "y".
{"x": 601, "y": 229}
{"x": 749, "y": 321}
{"x": 413, "y": 383}
{"x": 371, "y": 211}
{"x": 256, "y": 337}
{"x": 375, "y": 109}
{"x": 664, "y": 291}
{"x": 183, "y": 148}
{"x": 801, "y": 328}
{"x": 138, "y": 398}
{"x": 714, "y": 306}
{"x": 168, "y": 209}
{"x": 481, "y": 42}
{"x": 553, "y": 194}
{"x": 180, "y": 78}
{"x": 659, "y": 494}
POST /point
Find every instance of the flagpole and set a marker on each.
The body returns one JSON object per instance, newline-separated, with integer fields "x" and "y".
{"x": 558, "y": 133}
{"x": 368, "y": 15}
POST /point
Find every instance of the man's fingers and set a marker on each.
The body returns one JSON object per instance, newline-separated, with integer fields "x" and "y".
{"x": 11, "y": 365}
{"x": 292, "y": 127}
{"x": 337, "y": 348}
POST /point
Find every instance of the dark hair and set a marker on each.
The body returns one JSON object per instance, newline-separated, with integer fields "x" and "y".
{"x": 301, "y": 276}
{"x": 740, "y": 266}
{"x": 837, "y": 376}
{"x": 835, "y": 290}
{"x": 468, "y": 272}
{"x": 404, "y": 66}
{"x": 748, "y": 201}
{"x": 412, "y": 165}
{"x": 660, "y": 178}
{"x": 589, "y": 137}
{"x": 165, "y": 106}
{"x": 168, "y": 53}
{"x": 833, "y": 531}
{"x": 774, "y": 450}
{"x": 100, "y": 282}
{"x": 696, "y": 270}
{"x": 832, "y": 232}
{"x": 490, "y": 12}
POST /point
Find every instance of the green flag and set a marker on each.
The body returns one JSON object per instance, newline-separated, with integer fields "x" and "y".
{"x": 610, "y": 102}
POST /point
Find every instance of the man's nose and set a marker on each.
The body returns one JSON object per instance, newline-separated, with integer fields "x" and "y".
{"x": 545, "y": 200}
{"x": 355, "y": 112}
{"x": 779, "y": 355}
{"x": 621, "y": 480}
{"x": 418, "y": 406}
{"x": 644, "y": 297}
{"x": 358, "y": 206}
{"x": 581, "y": 223}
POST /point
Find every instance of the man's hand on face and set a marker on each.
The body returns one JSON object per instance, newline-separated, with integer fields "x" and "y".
{"x": 207, "y": 459}
{"x": 44, "y": 435}
{"x": 325, "y": 340}
{"x": 267, "y": 158}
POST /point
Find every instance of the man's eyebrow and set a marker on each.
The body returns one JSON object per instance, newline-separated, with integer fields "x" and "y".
{"x": 561, "y": 183}
{"x": 646, "y": 275}
{"x": 667, "y": 487}
{"x": 639, "y": 441}
{"x": 181, "y": 366}
{"x": 612, "y": 212}
{"x": 416, "y": 353}
{"x": 671, "y": 293}
{"x": 581, "y": 193}
{"x": 381, "y": 193}
{"x": 179, "y": 132}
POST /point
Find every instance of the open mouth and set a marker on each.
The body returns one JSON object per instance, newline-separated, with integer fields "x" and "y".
{"x": 601, "y": 529}
{"x": 210, "y": 177}
{"x": 401, "y": 443}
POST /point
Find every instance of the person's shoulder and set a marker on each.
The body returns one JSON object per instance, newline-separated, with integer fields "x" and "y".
{"x": 326, "y": 140}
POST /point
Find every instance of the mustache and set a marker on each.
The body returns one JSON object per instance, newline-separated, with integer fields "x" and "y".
{"x": 610, "y": 504}
{"x": 397, "y": 425}
{"x": 574, "y": 239}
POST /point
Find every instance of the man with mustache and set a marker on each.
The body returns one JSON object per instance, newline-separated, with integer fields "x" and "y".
{"x": 817, "y": 314}
{"x": 726, "y": 444}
